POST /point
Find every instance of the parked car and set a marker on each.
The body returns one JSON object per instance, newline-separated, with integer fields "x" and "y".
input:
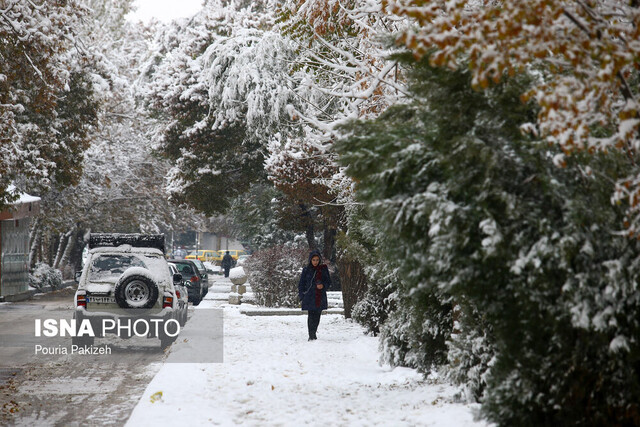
{"x": 202, "y": 255}
{"x": 126, "y": 278}
{"x": 182, "y": 295}
{"x": 192, "y": 279}
{"x": 203, "y": 274}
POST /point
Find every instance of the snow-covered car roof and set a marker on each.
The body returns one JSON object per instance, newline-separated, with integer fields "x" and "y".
{"x": 108, "y": 240}
{"x": 126, "y": 249}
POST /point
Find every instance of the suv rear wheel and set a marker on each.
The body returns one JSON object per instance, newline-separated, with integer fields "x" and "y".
{"x": 136, "y": 291}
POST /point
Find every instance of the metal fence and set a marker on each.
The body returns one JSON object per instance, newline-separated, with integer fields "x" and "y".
{"x": 14, "y": 265}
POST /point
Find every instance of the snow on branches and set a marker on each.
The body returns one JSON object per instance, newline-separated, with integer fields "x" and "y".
{"x": 342, "y": 50}
{"x": 342, "y": 72}
{"x": 585, "y": 54}
{"x": 223, "y": 89}
{"x": 46, "y": 103}
{"x": 240, "y": 81}
{"x": 246, "y": 78}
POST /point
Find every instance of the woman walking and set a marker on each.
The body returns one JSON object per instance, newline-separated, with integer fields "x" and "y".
{"x": 312, "y": 291}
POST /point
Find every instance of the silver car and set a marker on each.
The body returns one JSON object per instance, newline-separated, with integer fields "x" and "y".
{"x": 127, "y": 279}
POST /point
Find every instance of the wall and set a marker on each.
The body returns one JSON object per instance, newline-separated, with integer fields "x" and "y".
{"x": 214, "y": 242}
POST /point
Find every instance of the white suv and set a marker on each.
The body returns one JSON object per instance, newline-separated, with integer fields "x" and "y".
{"x": 126, "y": 279}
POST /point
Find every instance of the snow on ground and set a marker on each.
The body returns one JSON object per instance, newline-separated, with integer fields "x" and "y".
{"x": 271, "y": 375}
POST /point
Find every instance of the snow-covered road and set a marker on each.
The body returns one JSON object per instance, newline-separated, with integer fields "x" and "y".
{"x": 271, "y": 375}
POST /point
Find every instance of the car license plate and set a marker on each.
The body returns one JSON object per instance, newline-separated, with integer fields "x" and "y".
{"x": 101, "y": 300}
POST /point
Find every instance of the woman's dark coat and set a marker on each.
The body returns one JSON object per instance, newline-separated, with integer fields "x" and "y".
{"x": 307, "y": 285}
{"x": 227, "y": 261}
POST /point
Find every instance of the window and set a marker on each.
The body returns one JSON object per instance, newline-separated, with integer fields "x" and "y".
{"x": 108, "y": 268}
{"x": 185, "y": 269}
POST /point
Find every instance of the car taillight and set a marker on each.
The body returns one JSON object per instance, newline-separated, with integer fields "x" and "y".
{"x": 81, "y": 301}
{"x": 167, "y": 302}
{"x": 178, "y": 294}
{"x": 194, "y": 279}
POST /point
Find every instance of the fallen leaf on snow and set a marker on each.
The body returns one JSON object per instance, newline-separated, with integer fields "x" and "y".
{"x": 156, "y": 396}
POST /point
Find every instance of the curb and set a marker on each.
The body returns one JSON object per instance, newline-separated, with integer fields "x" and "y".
{"x": 47, "y": 289}
{"x": 23, "y": 296}
{"x": 292, "y": 312}
{"x": 30, "y": 293}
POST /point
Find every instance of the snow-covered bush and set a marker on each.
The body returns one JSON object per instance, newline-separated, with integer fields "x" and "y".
{"x": 373, "y": 309}
{"x": 512, "y": 271}
{"x": 471, "y": 349}
{"x": 274, "y": 274}
{"x": 43, "y": 276}
{"x": 415, "y": 335}
{"x": 369, "y": 298}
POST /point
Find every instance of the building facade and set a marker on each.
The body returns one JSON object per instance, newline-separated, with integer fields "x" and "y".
{"x": 15, "y": 224}
{"x": 216, "y": 242}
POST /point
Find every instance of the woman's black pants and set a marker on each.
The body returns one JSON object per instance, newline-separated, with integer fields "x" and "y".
{"x": 312, "y": 322}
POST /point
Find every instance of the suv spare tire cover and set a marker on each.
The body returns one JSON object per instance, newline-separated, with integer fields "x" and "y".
{"x": 136, "y": 289}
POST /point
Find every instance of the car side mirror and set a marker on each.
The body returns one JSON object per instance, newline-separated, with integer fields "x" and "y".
{"x": 177, "y": 279}
{"x": 77, "y": 276}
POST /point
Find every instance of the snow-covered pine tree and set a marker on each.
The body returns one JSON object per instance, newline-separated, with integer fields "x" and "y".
{"x": 516, "y": 263}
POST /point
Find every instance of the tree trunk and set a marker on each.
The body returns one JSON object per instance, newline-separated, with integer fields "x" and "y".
{"x": 59, "y": 250}
{"x": 329, "y": 242}
{"x": 44, "y": 248}
{"x": 34, "y": 243}
{"x": 64, "y": 241}
{"x": 48, "y": 247}
{"x": 55, "y": 243}
{"x": 354, "y": 283}
{"x": 75, "y": 257}
{"x": 70, "y": 243}
{"x": 309, "y": 230}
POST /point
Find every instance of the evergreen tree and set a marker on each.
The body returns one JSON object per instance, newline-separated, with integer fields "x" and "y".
{"x": 512, "y": 270}
{"x": 361, "y": 248}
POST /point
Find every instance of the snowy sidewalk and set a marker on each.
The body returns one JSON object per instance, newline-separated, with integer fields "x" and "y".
{"x": 271, "y": 375}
